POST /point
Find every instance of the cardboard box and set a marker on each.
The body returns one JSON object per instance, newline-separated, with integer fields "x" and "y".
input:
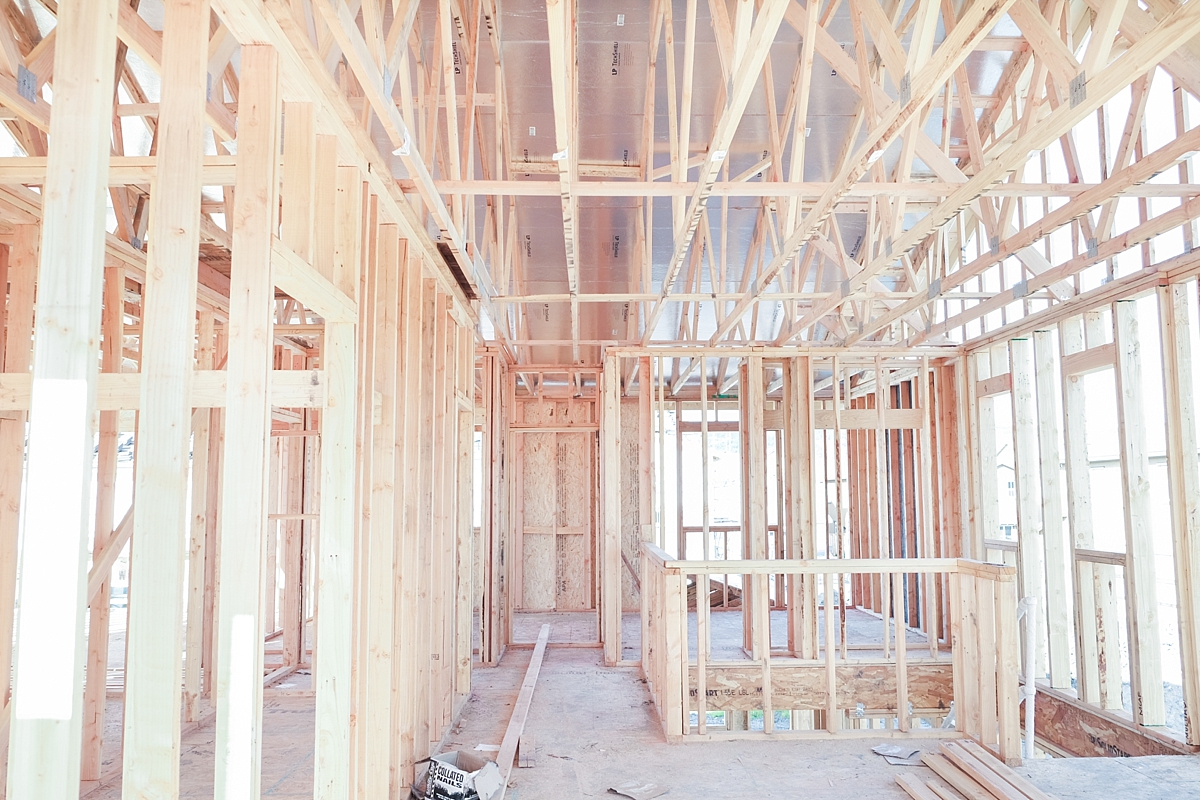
{"x": 462, "y": 775}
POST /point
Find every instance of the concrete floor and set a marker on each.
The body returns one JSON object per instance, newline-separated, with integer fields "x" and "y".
{"x": 594, "y": 727}
{"x": 1141, "y": 778}
{"x": 288, "y": 746}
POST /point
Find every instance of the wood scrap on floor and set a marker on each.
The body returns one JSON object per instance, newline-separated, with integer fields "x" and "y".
{"x": 525, "y": 751}
{"x": 516, "y": 723}
{"x": 972, "y": 773}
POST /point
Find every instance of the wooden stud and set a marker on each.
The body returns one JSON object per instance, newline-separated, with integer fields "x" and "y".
{"x": 331, "y": 659}
{"x": 44, "y": 755}
{"x": 95, "y": 695}
{"x": 1030, "y": 543}
{"x": 247, "y": 421}
{"x": 201, "y": 424}
{"x": 610, "y": 477}
{"x": 18, "y": 351}
{"x": 1183, "y": 475}
{"x": 155, "y": 637}
{"x": 376, "y": 609}
{"x": 1145, "y": 651}
{"x": 1057, "y": 554}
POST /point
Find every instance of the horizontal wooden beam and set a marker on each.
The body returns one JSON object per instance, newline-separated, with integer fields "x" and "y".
{"x": 301, "y": 281}
{"x": 123, "y": 170}
{"x": 997, "y": 384}
{"x": 122, "y": 391}
{"x": 931, "y": 190}
{"x": 868, "y": 419}
{"x": 830, "y": 566}
{"x": 1101, "y": 557}
{"x": 1091, "y": 360}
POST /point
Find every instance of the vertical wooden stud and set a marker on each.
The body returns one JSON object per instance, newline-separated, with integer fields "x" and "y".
{"x": 247, "y": 426}
{"x": 1145, "y": 651}
{"x": 610, "y": 471}
{"x": 1029, "y": 523}
{"x": 1183, "y": 475}
{"x": 44, "y": 755}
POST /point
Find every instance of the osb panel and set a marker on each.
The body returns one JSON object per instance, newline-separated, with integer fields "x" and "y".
{"x": 574, "y": 572}
{"x": 537, "y": 412}
{"x": 575, "y": 482}
{"x": 631, "y": 534}
{"x": 1071, "y": 726}
{"x": 539, "y": 465}
{"x": 538, "y": 571}
{"x": 803, "y": 687}
{"x": 580, "y": 411}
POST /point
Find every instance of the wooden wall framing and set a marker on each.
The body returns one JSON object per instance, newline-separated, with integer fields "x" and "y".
{"x": 330, "y": 523}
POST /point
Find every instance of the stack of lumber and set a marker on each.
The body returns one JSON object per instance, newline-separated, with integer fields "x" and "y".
{"x": 966, "y": 770}
{"x": 716, "y": 595}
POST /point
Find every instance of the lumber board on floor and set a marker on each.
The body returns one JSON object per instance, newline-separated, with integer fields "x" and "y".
{"x": 948, "y": 771}
{"x": 516, "y": 723}
{"x": 915, "y": 787}
{"x": 980, "y": 772}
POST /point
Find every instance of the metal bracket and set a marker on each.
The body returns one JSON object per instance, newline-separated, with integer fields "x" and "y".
{"x": 26, "y": 84}
{"x": 1078, "y": 90}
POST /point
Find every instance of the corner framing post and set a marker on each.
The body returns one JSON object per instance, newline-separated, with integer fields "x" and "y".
{"x": 155, "y": 636}
{"x": 610, "y": 545}
{"x": 46, "y": 709}
{"x": 247, "y": 430}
